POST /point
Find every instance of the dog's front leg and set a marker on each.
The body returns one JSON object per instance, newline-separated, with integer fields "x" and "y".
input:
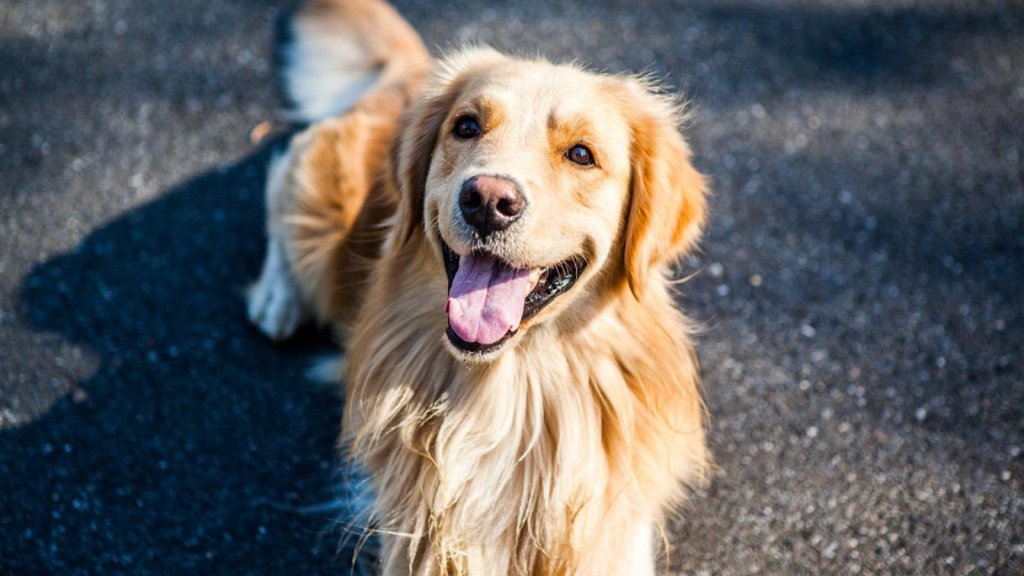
{"x": 640, "y": 554}
{"x": 275, "y": 301}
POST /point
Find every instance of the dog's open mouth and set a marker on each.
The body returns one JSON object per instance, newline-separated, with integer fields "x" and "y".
{"x": 488, "y": 299}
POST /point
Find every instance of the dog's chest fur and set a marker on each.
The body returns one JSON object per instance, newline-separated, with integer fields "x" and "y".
{"x": 507, "y": 461}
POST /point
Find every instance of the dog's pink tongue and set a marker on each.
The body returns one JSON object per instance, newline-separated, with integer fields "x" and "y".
{"x": 486, "y": 299}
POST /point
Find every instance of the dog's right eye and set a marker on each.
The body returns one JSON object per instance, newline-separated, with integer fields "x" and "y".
{"x": 467, "y": 127}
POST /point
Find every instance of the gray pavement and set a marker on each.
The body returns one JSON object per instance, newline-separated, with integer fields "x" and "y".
{"x": 860, "y": 287}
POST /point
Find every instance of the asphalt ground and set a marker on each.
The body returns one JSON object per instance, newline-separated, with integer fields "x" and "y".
{"x": 860, "y": 286}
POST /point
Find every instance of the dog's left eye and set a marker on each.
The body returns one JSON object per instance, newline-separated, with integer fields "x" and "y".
{"x": 581, "y": 155}
{"x": 467, "y": 127}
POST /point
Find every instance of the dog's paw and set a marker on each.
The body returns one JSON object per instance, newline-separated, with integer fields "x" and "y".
{"x": 275, "y": 303}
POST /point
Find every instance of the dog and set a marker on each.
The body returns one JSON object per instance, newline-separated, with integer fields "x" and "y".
{"x": 491, "y": 238}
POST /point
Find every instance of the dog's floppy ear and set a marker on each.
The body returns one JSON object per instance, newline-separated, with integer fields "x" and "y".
{"x": 667, "y": 194}
{"x": 421, "y": 130}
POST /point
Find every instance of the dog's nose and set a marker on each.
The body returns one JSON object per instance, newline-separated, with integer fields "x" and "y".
{"x": 490, "y": 203}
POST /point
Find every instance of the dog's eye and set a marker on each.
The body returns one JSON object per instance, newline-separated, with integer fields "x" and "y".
{"x": 581, "y": 155}
{"x": 467, "y": 127}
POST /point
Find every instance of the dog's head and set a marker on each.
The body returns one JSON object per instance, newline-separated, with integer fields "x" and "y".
{"x": 535, "y": 184}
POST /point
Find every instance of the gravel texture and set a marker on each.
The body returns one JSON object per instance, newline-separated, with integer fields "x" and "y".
{"x": 860, "y": 286}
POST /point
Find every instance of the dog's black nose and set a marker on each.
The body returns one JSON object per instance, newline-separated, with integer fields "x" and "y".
{"x": 490, "y": 203}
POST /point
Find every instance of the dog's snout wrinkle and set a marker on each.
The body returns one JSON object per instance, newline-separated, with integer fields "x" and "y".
{"x": 490, "y": 203}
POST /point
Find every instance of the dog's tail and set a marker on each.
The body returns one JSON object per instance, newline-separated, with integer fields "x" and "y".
{"x": 339, "y": 50}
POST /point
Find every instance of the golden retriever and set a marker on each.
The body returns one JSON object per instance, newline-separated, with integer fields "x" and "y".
{"x": 491, "y": 238}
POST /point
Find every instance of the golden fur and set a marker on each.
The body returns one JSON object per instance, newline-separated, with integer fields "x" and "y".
{"x": 559, "y": 452}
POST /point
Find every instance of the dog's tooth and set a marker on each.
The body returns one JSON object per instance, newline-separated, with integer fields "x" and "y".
{"x": 535, "y": 277}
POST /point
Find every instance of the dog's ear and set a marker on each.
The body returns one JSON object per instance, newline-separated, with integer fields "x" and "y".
{"x": 421, "y": 129}
{"x": 667, "y": 194}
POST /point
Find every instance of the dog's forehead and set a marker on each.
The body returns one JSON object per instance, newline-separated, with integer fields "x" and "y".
{"x": 528, "y": 82}
{"x": 551, "y": 94}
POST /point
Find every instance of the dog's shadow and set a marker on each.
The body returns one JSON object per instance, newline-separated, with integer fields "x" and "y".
{"x": 196, "y": 444}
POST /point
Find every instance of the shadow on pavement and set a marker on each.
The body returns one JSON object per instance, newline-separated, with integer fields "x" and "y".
{"x": 196, "y": 441}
